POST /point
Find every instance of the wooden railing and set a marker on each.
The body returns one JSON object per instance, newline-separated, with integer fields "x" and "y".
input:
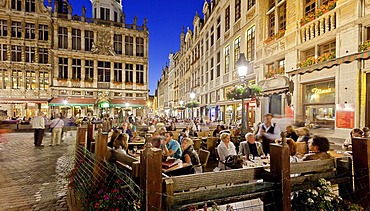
{"x": 183, "y": 192}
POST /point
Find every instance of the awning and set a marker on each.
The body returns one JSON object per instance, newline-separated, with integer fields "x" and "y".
{"x": 21, "y": 100}
{"x": 131, "y": 103}
{"x": 75, "y": 101}
{"x": 277, "y": 85}
{"x": 334, "y": 62}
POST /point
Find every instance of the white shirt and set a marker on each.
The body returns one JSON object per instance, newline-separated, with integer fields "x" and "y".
{"x": 38, "y": 122}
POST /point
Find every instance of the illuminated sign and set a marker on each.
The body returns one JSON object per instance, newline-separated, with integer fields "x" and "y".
{"x": 322, "y": 91}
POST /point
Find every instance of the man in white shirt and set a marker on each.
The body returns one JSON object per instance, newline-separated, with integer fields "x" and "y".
{"x": 268, "y": 132}
{"x": 38, "y": 124}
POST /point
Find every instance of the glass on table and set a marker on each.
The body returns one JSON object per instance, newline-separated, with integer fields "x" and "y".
{"x": 250, "y": 156}
{"x": 135, "y": 149}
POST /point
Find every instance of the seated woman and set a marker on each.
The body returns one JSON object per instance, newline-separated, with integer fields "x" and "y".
{"x": 224, "y": 149}
{"x": 356, "y": 132}
{"x": 216, "y": 132}
{"x": 114, "y": 135}
{"x": 290, "y": 133}
{"x": 121, "y": 142}
{"x": 319, "y": 147}
{"x": 303, "y": 134}
{"x": 293, "y": 150}
{"x": 189, "y": 155}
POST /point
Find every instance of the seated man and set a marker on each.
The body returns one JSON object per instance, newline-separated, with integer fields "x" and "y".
{"x": 250, "y": 146}
{"x": 171, "y": 147}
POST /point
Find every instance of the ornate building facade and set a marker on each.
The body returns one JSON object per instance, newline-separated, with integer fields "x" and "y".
{"x": 311, "y": 59}
{"x": 53, "y": 60}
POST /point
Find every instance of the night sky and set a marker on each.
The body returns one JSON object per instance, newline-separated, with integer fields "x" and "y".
{"x": 165, "y": 21}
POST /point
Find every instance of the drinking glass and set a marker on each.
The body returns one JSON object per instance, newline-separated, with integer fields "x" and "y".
{"x": 135, "y": 149}
{"x": 250, "y": 156}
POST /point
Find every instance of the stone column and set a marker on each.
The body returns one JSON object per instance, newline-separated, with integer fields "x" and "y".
{"x": 70, "y": 38}
{"x": 82, "y": 39}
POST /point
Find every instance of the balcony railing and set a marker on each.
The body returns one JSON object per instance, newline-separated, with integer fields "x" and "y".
{"x": 319, "y": 26}
{"x": 103, "y": 85}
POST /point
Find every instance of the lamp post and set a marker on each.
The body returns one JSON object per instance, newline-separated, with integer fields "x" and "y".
{"x": 192, "y": 96}
{"x": 243, "y": 69}
{"x": 181, "y": 104}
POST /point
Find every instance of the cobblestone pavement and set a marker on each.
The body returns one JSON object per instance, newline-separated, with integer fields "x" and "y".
{"x": 33, "y": 178}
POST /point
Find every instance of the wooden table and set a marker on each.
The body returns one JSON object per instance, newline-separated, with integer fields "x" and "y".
{"x": 179, "y": 169}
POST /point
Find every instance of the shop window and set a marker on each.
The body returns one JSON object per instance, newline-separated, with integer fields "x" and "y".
{"x": 323, "y": 92}
{"x": 117, "y": 44}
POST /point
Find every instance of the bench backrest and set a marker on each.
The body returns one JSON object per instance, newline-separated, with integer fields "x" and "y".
{"x": 124, "y": 162}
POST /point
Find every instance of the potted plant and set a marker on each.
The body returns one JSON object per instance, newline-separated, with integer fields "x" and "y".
{"x": 332, "y": 4}
{"x": 321, "y": 198}
{"x": 365, "y": 46}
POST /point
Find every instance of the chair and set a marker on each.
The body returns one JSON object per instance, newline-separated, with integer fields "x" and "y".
{"x": 203, "y": 157}
{"x": 196, "y": 143}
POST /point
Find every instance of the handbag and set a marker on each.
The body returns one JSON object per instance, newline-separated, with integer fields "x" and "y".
{"x": 233, "y": 161}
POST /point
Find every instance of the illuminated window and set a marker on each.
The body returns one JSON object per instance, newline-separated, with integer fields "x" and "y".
{"x": 30, "y": 79}
{"x": 17, "y": 79}
{"x": 43, "y": 80}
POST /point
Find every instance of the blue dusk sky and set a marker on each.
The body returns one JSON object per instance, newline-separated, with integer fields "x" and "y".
{"x": 165, "y": 21}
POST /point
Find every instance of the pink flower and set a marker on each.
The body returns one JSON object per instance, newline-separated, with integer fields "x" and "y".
{"x": 115, "y": 190}
{"x": 106, "y": 197}
{"x": 96, "y": 205}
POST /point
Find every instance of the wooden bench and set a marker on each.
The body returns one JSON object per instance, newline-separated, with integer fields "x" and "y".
{"x": 181, "y": 192}
{"x": 124, "y": 162}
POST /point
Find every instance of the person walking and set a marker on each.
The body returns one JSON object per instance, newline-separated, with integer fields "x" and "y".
{"x": 38, "y": 124}
{"x": 56, "y": 134}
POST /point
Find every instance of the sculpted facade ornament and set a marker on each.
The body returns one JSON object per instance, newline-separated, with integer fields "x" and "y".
{"x": 3, "y": 3}
{"x": 250, "y": 14}
{"x": 103, "y": 44}
{"x": 275, "y": 47}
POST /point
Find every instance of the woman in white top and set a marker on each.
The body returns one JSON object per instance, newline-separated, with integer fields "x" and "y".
{"x": 224, "y": 149}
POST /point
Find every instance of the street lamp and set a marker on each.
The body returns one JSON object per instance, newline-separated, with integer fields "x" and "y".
{"x": 243, "y": 69}
{"x": 192, "y": 96}
{"x": 181, "y": 102}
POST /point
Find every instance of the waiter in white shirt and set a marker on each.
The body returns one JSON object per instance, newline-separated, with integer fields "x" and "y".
{"x": 268, "y": 132}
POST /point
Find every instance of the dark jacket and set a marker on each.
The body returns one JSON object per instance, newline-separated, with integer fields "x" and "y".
{"x": 193, "y": 155}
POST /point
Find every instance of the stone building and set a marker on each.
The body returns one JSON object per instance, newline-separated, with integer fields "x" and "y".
{"x": 59, "y": 62}
{"x": 310, "y": 57}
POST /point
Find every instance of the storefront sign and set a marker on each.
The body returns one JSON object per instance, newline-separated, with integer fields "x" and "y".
{"x": 322, "y": 91}
{"x": 345, "y": 116}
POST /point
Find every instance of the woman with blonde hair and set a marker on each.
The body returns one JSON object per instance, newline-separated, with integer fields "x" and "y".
{"x": 189, "y": 155}
{"x": 224, "y": 149}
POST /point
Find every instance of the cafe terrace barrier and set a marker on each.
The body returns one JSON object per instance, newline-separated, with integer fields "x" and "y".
{"x": 273, "y": 186}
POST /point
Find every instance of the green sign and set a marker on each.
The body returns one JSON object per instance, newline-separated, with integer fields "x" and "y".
{"x": 104, "y": 105}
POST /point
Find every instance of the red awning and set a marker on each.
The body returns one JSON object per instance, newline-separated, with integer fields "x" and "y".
{"x": 132, "y": 103}
{"x": 334, "y": 62}
{"x": 22, "y": 100}
{"x": 72, "y": 101}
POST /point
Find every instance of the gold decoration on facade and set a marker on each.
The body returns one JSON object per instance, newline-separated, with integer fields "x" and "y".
{"x": 103, "y": 44}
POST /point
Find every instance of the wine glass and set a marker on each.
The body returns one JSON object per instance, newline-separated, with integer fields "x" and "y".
{"x": 250, "y": 156}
